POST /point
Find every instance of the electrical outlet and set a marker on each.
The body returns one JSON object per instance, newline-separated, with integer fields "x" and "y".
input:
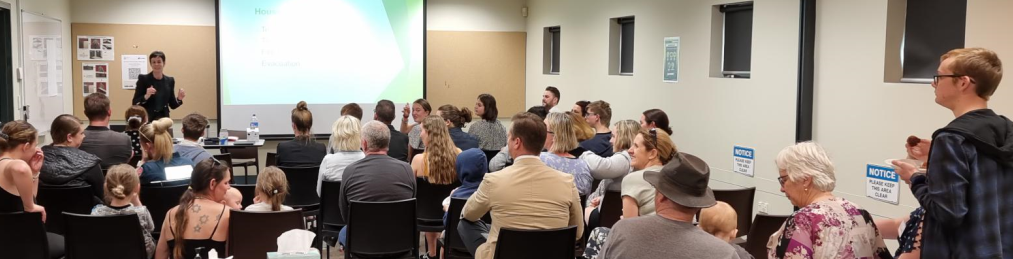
{"x": 762, "y": 207}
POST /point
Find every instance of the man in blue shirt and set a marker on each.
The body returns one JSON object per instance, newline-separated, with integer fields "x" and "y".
{"x": 967, "y": 189}
{"x": 599, "y": 114}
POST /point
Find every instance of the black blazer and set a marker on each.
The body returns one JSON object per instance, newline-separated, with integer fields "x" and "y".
{"x": 398, "y": 148}
{"x": 165, "y": 98}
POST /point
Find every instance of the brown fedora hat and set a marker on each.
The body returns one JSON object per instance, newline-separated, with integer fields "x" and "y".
{"x": 684, "y": 180}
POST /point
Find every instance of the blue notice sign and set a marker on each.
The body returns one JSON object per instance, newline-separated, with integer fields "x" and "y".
{"x": 882, "y": 183}
{"x": 742, "y": 160}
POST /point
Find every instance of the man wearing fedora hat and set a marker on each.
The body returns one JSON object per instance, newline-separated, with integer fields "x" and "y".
{"x": 682, "y": 191}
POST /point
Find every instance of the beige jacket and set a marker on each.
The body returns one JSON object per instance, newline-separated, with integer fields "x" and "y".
{"x": 526, "y": 195}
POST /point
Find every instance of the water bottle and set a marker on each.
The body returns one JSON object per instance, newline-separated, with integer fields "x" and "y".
{"x": 223, "y": 137}
{"x": 254, "y": 124}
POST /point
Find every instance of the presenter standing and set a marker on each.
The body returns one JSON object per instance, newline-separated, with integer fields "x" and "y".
{"x": 155, "y": 90}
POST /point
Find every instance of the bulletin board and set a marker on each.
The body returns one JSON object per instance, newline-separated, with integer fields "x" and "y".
{"x": 460, "y": 65}
{"x": 190, "y": 58}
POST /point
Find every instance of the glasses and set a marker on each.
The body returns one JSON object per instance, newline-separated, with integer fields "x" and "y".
{"x": 782, "y": 179}
{"x": 935, "y": 78}
{"x": 589, "y": 114}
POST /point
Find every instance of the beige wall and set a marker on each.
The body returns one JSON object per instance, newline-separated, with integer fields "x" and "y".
{"x": 859, "y": 118}
{"x": 157, "y": 12}
{"x": 475, "y": 15}
{"x": 709, "y": 115}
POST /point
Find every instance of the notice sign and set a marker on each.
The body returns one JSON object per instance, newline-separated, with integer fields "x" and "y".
{"x": 882, "y": 184}
{"x": 742, "y": 160}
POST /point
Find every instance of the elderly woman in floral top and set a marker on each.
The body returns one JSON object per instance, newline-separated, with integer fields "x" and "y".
{"x": 825, "y": 226}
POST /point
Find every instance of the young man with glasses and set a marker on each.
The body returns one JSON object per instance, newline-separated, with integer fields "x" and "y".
{"x": 598, "y": 115}
{"x": 966, "y": 190}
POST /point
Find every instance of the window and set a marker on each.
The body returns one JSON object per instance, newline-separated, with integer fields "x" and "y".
{"x": 626, "y": 45}
{"x": 931, "y": 28}
{"x": 736, "y": 39}
{"x": 551, "y": 50}
{"x": 6, "y": 65}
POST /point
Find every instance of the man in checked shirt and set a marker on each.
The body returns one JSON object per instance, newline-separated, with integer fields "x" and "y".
{"x": 967, "y": 189}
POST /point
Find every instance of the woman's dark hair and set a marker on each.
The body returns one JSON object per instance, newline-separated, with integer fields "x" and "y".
{"x": 583, "y": 106}
{"x": 425, "y": 105}
{"x": 539, "y": 111}
{"x": 491, "y": 113}
{"x": 62, "y": 126}
{"x": 303, "y": 120}
{"x": 156, "y": 54}
{"x": 15, "y": 133}
{"x": 457, "y": 117}
{"x": 135, "y": 117}
{"x": 200, "y": 182}
{"x": 659, "y": 118}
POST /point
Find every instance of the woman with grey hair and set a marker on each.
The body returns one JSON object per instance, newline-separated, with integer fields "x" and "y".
{"x": 825, "y": 226}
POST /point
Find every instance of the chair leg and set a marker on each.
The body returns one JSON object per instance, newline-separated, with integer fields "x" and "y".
{"x": 246, "y": 174}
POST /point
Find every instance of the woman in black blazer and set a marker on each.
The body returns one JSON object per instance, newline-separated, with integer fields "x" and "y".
{"x": 155, "y": 90}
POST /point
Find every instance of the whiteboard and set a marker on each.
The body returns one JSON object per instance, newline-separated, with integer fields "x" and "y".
{"x": 42, "y": 62}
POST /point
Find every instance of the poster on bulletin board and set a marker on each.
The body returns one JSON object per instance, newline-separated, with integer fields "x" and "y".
{"x": 95, "y": 48}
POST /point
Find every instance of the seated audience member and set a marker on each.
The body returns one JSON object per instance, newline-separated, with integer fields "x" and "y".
{"x": 233, "y": 199}
{"x": 398, "y": 148}
{"x": 584, "y": 130}
{"x": 503, "y": 158}
{"x": 681, "y": 192}
{"x": 352, "y": 109}
{"x": 490, "y": 132}
{"x": 122, "y": 191}
{"x": 651, "y": 150}
{"x": 655, "y": 119}
{"x": 199, "y": 221}
{"x": 561, "y": 138}
{"x": 111, "y": 147}
{"x": 377, "y": 177}
{"x": 550, "y": 99}
{"x": 471, "y": 168}
{"x": 194, "y": 126}
{"x": 455, "y": 119}
{"x": 721, "y": 221}
{"x": 135, "y": 117}
{"x": 347, "y": 143}
{"x": 610, "y": 170}
{"x": 419, "y": 111}
{"x": 67, "y": 166}
{"x": 825, "y": 226}
{"x": 272, "y": 188}
{"x": 525, "y": 195}
{"x": 20, "y": 165}
{"x": 580, "y": 108}
{"x": 598, "y": 116}
{"x": 436, "y": 165}
{"x": 539, "y": 111}
{"x": 302, "y": 151}
{"x": 159, "y": 155}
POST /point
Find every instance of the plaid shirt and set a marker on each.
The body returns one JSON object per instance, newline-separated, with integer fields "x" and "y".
{"x": 967, "y": 192}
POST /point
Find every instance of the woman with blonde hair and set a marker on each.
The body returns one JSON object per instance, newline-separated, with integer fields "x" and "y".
{"x": 437, "y": 163}
{"x": 651, "y": 149}
{"x": 122, "y": 190}
{"x": 584, "y": 130}
{"x": 347, "y": 143}
{"x": 271, "y": 190}
{"x": 561, "y": 137}
{"x": 158, "y": 153}
{"x": 303, "y": 151}
{"x": 611, "y": 170}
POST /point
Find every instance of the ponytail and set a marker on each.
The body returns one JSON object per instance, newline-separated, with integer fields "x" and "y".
{"x": 121, "y": 181}
{"x": 185, "y": 202}
{"x": 157, "y": 133}
{"x": 273, "y": 185}
{"x": 465, "y": 115}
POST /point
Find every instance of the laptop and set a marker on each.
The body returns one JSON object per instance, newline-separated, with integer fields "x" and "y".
{"x": 175, "y": 173}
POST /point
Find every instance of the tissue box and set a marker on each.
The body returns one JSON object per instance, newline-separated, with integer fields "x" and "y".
{"x": 313, "y": 254}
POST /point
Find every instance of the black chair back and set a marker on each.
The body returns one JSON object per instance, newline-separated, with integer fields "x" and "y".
{"x": 452, "y": 243}
{"x": 159, "y": 199}
{"x": 489, "y": 154}
{"x": 330, "y": 212}
{"x": 272, "y": 159}
{"x": 226, "y": 159}
{"x": 118, "y": 128}
{"x": 759, "y": 233}
{"x": 742, "y": 201}
{"x": 382, "y": 229}
{"x": 59, "y": 199}
{"x": 611, "y": 209}
{"x": 248, "y": 191}
{"x": 114, "y": 236}
{"x": 302, "y": 185}
{"x": 430, "y": 204}
{"x": 30, "y": 242}
{"x": 536, "y": 243}
{"x": 253, "y": 234}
